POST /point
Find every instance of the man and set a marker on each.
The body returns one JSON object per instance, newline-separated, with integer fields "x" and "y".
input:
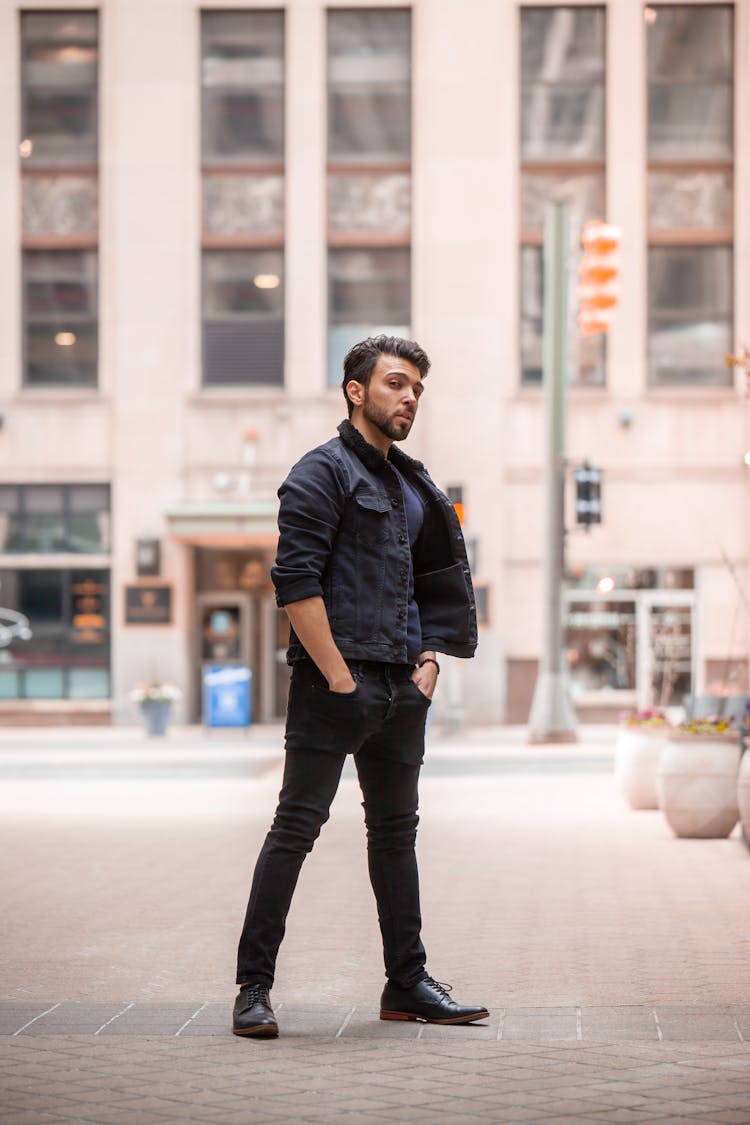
{"x": 371, "y": 569}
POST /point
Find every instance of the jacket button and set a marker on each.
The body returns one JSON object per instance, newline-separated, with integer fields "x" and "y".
{"x": 402, "y": 538}
{"x": 394, "y": 502}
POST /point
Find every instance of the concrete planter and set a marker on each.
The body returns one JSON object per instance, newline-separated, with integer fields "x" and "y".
{"x": 155, "y": 714}
{"x": 743, "y": 793}
{"x": 697, "y": 784}
{"x": 637, "y": 755}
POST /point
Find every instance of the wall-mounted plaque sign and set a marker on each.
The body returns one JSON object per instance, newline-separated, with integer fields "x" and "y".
{"x": 148, "y": 605}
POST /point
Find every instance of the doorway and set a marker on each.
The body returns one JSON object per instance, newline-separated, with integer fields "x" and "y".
{"x": 236, "y": 621}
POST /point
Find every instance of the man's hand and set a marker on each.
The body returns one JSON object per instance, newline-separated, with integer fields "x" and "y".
{"x": 310, "y": 622}
{"x": 342, "y": 684}
{"x": 426, "y": 677}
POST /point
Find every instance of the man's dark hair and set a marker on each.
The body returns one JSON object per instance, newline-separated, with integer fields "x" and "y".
{"x": 360, "y": 360}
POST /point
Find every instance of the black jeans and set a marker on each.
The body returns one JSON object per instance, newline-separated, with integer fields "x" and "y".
{"x": 382, "y": 724}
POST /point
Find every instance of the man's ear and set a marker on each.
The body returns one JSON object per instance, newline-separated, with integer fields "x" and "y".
{"x": 355, "y": 392}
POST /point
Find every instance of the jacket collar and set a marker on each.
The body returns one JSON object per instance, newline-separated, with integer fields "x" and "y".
{"x": 371, "y": 456}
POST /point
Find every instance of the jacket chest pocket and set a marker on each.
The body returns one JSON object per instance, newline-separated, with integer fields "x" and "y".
{"x": 371, "y": 518}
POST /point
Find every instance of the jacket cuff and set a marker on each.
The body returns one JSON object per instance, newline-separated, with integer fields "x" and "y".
{"x": 297, "y": 589}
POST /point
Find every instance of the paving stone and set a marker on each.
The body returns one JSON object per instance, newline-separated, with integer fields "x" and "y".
{"x": 615, "y": 1024}
{"x": 375, "y": 1028}
{"x": 14, "y": 1016}
{"x": 73, "y": 1018}
{"x": 151, "y": 1019}
{"x": 537, "y": 1025}
{"x": 696, "y": 1023}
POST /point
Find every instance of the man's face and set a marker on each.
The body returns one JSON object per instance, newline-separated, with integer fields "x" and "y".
{"x": 391, "y": 399}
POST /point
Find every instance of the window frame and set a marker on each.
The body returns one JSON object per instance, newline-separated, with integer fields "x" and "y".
{"x": 65, "y": 664}
{"x": 58, "y": 242}
{"x": 374, "y": 165}
{"x": 686, "y": 238}
{"x": 213, "y": 241}
{"x": 592, "y": 166}
{"x": 22, "y": 513}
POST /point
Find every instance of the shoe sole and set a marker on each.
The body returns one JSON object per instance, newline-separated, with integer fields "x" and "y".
{"x": 262, "y": 1031}
{"x": 426, "y": 1019}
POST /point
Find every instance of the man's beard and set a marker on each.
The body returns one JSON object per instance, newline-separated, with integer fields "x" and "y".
{"x": 395, "y": 429}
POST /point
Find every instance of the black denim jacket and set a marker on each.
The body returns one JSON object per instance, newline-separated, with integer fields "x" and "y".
{"x": 343, "y": 536}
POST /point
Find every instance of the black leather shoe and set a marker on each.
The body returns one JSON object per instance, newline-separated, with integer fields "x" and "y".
{"x": 253, "y": 1014}
{"x": 427, "y": 1000}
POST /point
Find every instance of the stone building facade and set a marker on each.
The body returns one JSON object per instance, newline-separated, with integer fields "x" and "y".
{"x": 204, "y": 204}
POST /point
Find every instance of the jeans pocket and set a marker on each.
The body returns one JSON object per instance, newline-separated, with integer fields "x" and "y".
{"x": 322, "y": 696}
{"x": 425, "y": 699}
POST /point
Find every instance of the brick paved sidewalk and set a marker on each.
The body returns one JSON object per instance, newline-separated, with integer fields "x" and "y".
{"x": 612, "y": 956}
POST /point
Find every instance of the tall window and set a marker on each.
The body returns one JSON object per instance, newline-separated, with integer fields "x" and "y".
{"x": 58, "y": 152}
{"x": 562, "y": 153}
{"x": 690, "y": 154}
{"x": 369, "y": 178}
{"x": 67, "y": 655}
{"x": 243, "y": 197}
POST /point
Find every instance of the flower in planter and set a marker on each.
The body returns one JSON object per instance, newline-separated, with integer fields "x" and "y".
{"x": 711, "y": 724}
{"x": 157, "y": 691}
{"x": 651, "y": 717}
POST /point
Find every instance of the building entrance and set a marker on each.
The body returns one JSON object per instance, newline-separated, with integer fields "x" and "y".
{"x": 631, "y": 638}
{"x": 236, "y": 621}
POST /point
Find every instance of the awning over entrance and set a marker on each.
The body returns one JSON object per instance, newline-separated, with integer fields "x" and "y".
{"x": 227, "y": 523}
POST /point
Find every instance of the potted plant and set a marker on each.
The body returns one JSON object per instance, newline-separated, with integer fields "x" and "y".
{"x": 640, "y": 741}
{"x": 155, "y": 700}
{"x": 697, "y": 778}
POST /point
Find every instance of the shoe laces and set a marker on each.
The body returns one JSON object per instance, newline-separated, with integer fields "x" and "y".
{"x": 255, "y": 992}
{"x": 440, "y": 986}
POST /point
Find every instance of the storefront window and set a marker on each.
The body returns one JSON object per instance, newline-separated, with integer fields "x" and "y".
{"x": 630, "y": 636}
{"x": 67, "y": 656}
{"x": 44, "y": 519}
{"x": 601, "y": 646}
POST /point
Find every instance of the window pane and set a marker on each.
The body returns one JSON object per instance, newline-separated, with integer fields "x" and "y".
{"x": 690, "y": 68}
{"x": 689, "y": 200}
{"x": 242, "y": 284}
{"x": 562, "y": 83}
{"x": 89, "y": 518}
{"x": 88, "y": 683}
{"x": 600, "y": 639}
{"x": 44, "y": 683}
{"x": 59, "y": 87}
{"x": 88, "y": 498}
{"x": 44, "y": 498}
{"x": 690, "y": 314}
{"x": 369, "y": 95}
{"x": 88, "y": 533}
{"x": 10, "y": 685}
{"x": 369, "y": 291}
{"x": 584, "y": 193}
{"x": 243, "y": 204}
{"x": 243, "y": 86}
{"x": 9, "y": 501}
{"x": 365, "y": 203}
{"x": 89, "y": 617}
{"x": 689, "y": 281}
{"x": 243, "y": 320}
{"x": 586, "y": 353}
{"x": 60, "y": 205}
{"x": 369, "y": 286}
{"x": 690, "y": 43}
{"x": 60, "y": 299}
{"x": 690, "y": 121}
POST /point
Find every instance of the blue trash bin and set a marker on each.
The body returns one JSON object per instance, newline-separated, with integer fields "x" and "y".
{"x": 227, "y": 695}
